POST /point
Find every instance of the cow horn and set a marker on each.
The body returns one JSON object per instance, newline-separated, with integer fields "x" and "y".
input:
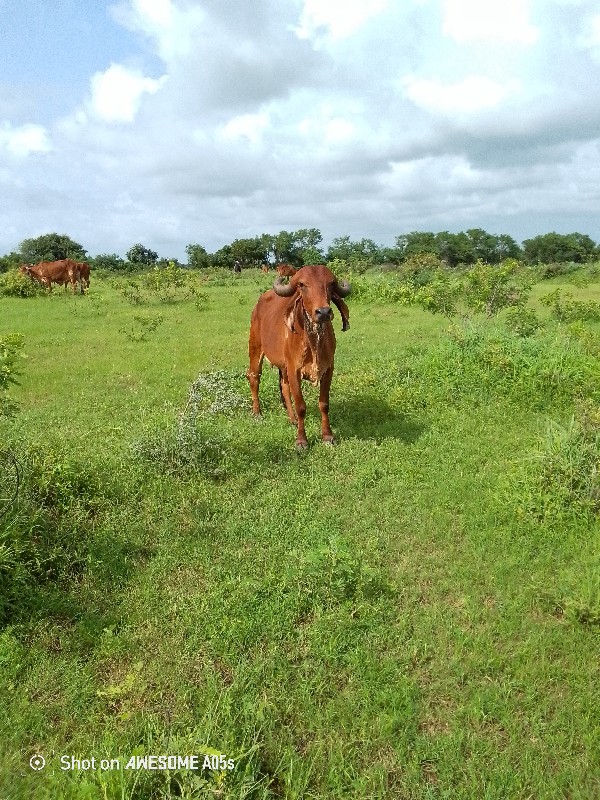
{"x": 282, "y": 289}
{"x": 343, "y": 288}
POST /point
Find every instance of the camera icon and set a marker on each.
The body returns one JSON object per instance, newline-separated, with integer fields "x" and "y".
{"x": 37, "y": 762}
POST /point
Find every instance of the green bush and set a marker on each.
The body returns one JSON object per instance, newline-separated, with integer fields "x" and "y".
{"x": 383, "y": 289}
{"x": 562, "y": 479}
{"x": 556, "y": 268}
{"x": 15, "y": 284}
{"x": 10, "y": 347}
{"x": 522, "y": 321}
{"x": 488, "y": 289}
{"x": 185, "y": 447}
{"x": 566, "y": 309}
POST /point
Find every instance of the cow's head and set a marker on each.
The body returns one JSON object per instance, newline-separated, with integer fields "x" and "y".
{"x": 25, "y": 269}
{"x": 314, "y": 288}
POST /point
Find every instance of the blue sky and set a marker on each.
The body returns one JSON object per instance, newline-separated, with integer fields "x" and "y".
{"x": 168, "y": 122}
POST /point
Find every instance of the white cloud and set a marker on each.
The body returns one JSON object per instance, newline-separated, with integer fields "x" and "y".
{"x": 341, "y": 18}
{"x": 245, "y": 126}
{"x": 158, "y": 13}
{"x": 590, "y": 38}
{"x": 485, "y": 20}
{"x": 24, "y": 140}
{"x": 473, "y": 93}
{"x": 117, "y": 93}
{"x": 173, "y": 29}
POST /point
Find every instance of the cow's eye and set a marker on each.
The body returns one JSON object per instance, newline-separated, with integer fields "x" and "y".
{"x": 302, "y": 285}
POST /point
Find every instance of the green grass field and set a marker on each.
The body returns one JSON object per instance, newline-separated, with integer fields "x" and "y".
{"x": 411, "y": 614}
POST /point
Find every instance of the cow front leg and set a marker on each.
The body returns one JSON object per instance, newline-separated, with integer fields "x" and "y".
{"x": 326, "y": 432}
{"x": 286, "y": 399}
{"x": 296, "y": 391}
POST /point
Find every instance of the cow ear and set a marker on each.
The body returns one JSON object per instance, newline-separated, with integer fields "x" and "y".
{"x": 292, "y": 320}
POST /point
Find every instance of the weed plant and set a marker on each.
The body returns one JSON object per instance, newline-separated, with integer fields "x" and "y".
{"x": 561, "y": 480}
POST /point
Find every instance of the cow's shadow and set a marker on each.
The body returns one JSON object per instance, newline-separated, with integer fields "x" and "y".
{"x": 374, "y": 419}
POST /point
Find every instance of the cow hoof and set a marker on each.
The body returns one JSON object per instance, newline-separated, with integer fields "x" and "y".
{"x": 329, "y": 441}
{"x": 300, "y": 446}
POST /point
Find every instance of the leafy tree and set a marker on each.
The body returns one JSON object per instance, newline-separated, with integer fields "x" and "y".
{"x": 307, "y": 241}
{"x": 488, "y": 289}
{"x": 223, "y": 258}
{"x": 390, "y": 255}
{"x": 109, "y": 261}
{"x": 491, "y": 248}
{"x": 141, "y": 256}
{"x": 340, "y": 247}
{"x": 51, "y": 247}
{"x": 454, "y": 248}
{"x": 249, "y": 252}
{"x": 312, "y": 255}
{"x": 506, "y": 247}
{"x": 411, "y": 244}
{"x": 364, "y": 250}
{"x": 10, "y": 261}
{"x": 553, "y": 246}
{"x": 294, "y": 247}
{"x": 197, "y": 256}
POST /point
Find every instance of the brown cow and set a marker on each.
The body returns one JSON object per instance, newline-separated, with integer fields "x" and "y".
{"x": 265, "y": 268}
{"x": 48, "y": 272}
{"x": 84, "y": 276}
{"x": 286, "y": 270}
{"x": 291, "y": 326}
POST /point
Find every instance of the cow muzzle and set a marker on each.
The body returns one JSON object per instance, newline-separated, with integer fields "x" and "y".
{"x": 324, "y": 314}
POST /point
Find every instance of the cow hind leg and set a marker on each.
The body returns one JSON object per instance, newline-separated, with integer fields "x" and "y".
{"x": 253, "y": 375}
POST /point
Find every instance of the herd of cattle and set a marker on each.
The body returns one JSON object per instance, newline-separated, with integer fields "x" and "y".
{"x": 291, "y": 325}
{"x": 65, "y": 272}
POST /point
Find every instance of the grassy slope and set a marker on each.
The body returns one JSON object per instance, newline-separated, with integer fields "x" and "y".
{"x": 360, "y": 622}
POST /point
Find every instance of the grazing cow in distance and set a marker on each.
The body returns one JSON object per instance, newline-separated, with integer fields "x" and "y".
{"x": 291, "y": 326}
{"x": 49, "y": 272}
{"x": 286, "y": 270}
{"x": 264, "y": 268}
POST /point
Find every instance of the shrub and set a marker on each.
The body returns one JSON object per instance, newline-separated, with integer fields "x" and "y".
{"x": 185, "y": 447}
{"x": 488, "y": 289}
{"x": 440, "y": 296}
{"x": 10, "y": 346}
{"x": 15, "y": 284}
{"x": 566, "y": 309}
{"x": 562, "y": 479}
{"x": 419, "y": 269}
{"x": 522, "y": 321}
{"x": 555, "y": 268}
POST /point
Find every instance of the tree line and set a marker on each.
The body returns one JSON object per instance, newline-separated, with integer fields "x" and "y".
{"x": 304, "y": 246}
